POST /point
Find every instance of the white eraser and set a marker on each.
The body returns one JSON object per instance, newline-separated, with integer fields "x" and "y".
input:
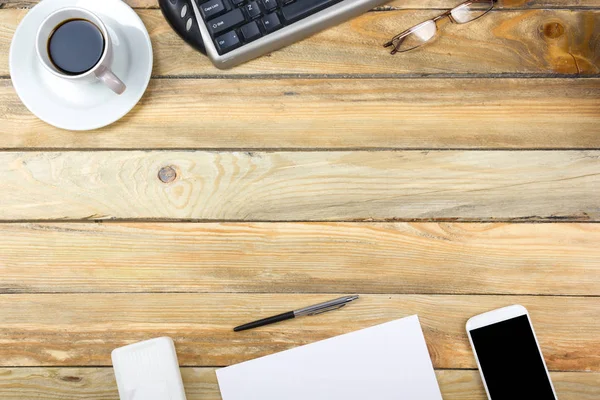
{"x": 148, "y": 371}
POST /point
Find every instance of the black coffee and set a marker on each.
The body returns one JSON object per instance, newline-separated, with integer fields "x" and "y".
{"x": 76, "y": 46}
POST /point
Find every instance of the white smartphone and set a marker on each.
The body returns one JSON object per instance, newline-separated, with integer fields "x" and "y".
{"x": 508, "y": 355}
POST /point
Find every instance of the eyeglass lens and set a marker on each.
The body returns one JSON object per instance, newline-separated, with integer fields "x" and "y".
{"x": 471, "y": 11}
{"x": 418, "y": 35}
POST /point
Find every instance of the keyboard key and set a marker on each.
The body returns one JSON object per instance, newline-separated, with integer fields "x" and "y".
{"x": 228, "y": 41}
{"x": 237, "y": 2}
{"x": 212, "y": 8}
{"x": 250, "y": 31}
{"x": 271, "y": 22}
{"x": 269, "y": 5}
{"x": 252, "y": 10}
{"x": 302, "y": 8}
{"x": 225, "y": 22}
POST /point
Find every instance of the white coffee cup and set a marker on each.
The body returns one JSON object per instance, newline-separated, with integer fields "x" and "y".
{"x": 101, "y": 71}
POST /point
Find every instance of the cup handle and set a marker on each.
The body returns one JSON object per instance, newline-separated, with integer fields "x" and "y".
{"x": 111, "y": 80}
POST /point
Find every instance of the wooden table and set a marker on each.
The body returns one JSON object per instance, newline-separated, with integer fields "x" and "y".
{"x": 444, "y": 182}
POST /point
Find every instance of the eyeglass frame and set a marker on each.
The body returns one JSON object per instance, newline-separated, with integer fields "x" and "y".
{"x": 435, "y": 20}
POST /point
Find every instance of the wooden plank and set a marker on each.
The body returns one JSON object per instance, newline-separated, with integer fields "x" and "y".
{"x": 293, "y": 186}
{"x": 272, "y": 257}
{"x": 507, "y": 42}
{"x": 82, "y": 329}
{"x": 515, "y": 42}
{"x": 334, "y": 113}
{"x": 395, "y": 3}
{"x": 201, "y": 384}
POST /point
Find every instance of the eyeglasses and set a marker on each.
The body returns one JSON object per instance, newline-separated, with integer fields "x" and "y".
{"x": 424, "y": 32}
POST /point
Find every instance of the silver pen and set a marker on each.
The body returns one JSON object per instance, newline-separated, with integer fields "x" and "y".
{"x": 320, "y": 308}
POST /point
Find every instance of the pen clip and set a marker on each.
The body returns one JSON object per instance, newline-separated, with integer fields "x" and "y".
{"x": 324, "y": 310}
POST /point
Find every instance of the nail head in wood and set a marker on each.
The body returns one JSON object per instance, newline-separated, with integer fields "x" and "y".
{"x": 167, "y": 174}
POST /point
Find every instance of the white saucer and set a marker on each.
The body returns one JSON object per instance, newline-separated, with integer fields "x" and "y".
{"x": 75, "y": 105}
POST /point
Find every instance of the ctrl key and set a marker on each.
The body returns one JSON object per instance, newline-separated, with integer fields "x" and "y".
{"x": 228, "y": 42}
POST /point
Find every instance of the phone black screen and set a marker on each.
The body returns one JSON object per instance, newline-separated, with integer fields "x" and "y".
{"x": 511, "y": 362}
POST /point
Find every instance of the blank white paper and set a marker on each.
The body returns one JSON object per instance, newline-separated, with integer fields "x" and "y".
{"x": 384, "y": 362}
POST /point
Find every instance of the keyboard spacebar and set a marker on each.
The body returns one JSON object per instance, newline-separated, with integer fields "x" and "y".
{"x": 302, "y": 8}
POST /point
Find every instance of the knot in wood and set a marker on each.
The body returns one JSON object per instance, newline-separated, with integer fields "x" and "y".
{"x": 553, "y": 30}
{"x": 70, "y": 378}
{"x": 167, "y": 174}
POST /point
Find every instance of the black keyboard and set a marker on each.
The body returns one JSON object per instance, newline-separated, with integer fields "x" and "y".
{"x": 233, "y": 23}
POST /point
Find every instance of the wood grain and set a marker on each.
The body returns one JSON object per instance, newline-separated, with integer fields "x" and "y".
{"x": 82, "y": 329}
{"x": 262, "y": 186}
{"x": 334, "y": 113}
{"x": 201, "y": 384}
{"x": 303, "y": 99}
{"x": 395, "y": 3}
{"x": 505, "y": 42}
{"x": 273, "y": 257}
{"x": 515, "y": 42}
